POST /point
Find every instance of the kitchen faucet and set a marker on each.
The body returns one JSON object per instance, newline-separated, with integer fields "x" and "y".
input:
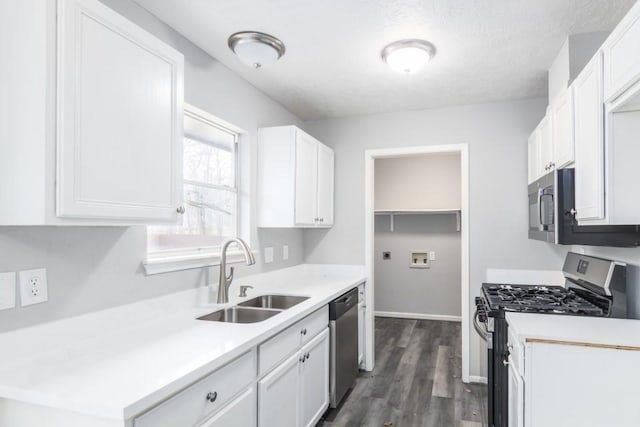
{"x": 225, "y": 281}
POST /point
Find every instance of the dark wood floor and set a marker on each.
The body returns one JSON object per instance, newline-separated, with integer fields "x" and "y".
{"x": 416, "y": 381}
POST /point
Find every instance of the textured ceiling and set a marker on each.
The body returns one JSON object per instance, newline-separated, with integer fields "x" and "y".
{"x": 488, "y": 50}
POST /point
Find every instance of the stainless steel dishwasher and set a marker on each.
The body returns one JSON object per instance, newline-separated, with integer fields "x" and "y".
{"x": 343, "y": 323}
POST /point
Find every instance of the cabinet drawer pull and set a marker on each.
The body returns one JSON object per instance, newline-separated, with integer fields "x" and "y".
{"x": 212, "y": 396}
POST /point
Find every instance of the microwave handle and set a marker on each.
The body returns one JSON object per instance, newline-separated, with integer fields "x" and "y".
{"x": 543, "y": 225}
{"x": 540, "y": 193}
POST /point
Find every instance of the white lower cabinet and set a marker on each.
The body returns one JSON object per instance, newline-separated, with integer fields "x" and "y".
{"x": 516, "y": 397}
{"x": 240, "y": 412}
{"x": 296, "y": 392}
{"x": 278, "y": 395}
{"x": 314, "y": 379}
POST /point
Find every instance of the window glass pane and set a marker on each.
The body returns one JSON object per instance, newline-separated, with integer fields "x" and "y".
{"x": 209, "y": 211}
{"x": 208, "y": 163}
{"x": 209, "y": 219}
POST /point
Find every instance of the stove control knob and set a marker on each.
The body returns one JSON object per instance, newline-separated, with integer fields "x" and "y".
{"x": 482, "y": 317}
{"x": 478, "y": 301}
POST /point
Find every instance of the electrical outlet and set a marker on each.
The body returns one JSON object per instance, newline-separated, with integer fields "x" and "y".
{"x": 268, "y": 255}
{"x": 33, "y": 287}
{"x": 285, "y": 252}
{"x": 7, "y": 290}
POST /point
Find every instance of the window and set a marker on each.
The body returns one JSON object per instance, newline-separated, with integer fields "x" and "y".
{"x": 210, "y": 160}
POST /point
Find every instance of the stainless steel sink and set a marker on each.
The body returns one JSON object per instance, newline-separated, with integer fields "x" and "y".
{"x": 240, "y": 315}
{"x": 280, "y": 302}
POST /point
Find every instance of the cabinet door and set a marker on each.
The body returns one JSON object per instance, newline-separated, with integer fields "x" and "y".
{"x": 545, "y": 139}
{"x": 562, "y": 124}
{"x": 621, "y": 59}
{"x": 516, "y": 398}
{"x": 119, "y": 117}
{"x": 534, "y": 156}
{"x": 361, "y": 340}
{"x": 278, "y": 395}
{"x": 589, "y": 142}
{"x": 314, "y": 379}
{"x": 325, "y": 184}
{"x": 240, "y": 412}
{"x": 306, "y": 179}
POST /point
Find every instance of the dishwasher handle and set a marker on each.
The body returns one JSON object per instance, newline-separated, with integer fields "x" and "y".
{"x": 342, "y": 304}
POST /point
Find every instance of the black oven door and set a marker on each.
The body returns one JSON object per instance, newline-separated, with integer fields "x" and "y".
{"x": 542, "y": 224}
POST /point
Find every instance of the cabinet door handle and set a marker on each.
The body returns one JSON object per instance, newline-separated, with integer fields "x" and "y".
{"x": 304, "y": 331}
{"x": 212, "y": 396}
{"x": 505, "y": 362}
{"x": 180, "y": 210}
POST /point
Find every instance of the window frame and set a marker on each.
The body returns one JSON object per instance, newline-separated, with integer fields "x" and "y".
{"x": 168, "y": 260}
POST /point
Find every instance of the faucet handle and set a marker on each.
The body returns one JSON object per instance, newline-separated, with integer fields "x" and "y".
{"x": 230, "y": 276}
{"x": 243, "y": 290}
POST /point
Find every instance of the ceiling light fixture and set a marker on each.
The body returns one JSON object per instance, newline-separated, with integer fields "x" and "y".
{"x": 256, "y": 49}
{"x": 409, "y": 55}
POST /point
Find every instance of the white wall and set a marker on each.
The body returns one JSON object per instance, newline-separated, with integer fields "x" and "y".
{"x": 427, "y": 291}
{"x": 497, "y": 137}
{"x": 418, "y": 182}
{"x": 95, "y": 268}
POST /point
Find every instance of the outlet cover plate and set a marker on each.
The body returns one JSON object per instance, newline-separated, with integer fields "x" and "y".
{"x": 33, "y": 287}
{"x": 285, "y": 252}
{"x": 268, "y": 255}
{"x": 7, "y": 290}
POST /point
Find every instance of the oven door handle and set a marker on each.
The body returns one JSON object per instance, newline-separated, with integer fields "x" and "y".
{"x": 479, "y": 329}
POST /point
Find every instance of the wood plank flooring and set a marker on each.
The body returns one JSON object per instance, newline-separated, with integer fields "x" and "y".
{"x": 416, "y": 382}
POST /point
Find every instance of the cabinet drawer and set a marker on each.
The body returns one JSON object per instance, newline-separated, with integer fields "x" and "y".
{"x": 291, "y": 339}
{"x": 191, "y": 405}
{"x": 242, "y": 411}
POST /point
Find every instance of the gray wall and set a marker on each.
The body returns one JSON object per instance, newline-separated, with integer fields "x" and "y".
{"x": 96, "y": 268}
{"x": 400, "y": 289}
{"x": 497, "y": 137}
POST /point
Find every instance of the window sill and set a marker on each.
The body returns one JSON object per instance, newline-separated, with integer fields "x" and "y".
{"x": 165, "y": 263}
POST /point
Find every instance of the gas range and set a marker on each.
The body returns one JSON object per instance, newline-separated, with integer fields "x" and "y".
{"x": 593, "y": 287}
{"x": 537, "y": 299}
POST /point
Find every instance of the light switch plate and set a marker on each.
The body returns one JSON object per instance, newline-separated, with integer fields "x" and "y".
{"x": 33, "y": 287}
{"x": 7, "y": 290}
{"x": 432, "y": 255}
{"x": 285, "y": 252}
{"x": 268, "y": 255}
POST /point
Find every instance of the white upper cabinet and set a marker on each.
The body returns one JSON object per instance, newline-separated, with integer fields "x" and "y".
{"x": 562, "y": 129}
{"x": 306, "y": 182}
{"x": 621, "y": 58}
{"x": 119, "y": 117}
{"x": 589, "y": 149}
{"x": 540, "y": 149}
{"x": 108, "y": 147}
{"x": 325, "y": 185}
{"x": 295, "y": 179}
{"x": 546, "y": 144}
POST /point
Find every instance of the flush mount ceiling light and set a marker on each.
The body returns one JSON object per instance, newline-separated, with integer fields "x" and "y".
{"x": 408, "y": 56}
{"x": 256, "y": 49}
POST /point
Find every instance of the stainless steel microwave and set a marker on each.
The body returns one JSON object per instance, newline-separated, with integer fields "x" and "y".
{"x": 552, "y": 216}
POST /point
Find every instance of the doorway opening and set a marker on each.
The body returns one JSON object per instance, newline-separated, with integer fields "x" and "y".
{"x": 417, "y": 204}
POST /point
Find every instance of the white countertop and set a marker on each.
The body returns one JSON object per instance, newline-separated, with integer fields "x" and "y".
{"x": 119, "y": 362}
{"x": 576, "y": 329}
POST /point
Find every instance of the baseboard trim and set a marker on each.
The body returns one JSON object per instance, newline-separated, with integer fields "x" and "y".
{"x": 418, "y": 316}
{"x": 477, "y": 379}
